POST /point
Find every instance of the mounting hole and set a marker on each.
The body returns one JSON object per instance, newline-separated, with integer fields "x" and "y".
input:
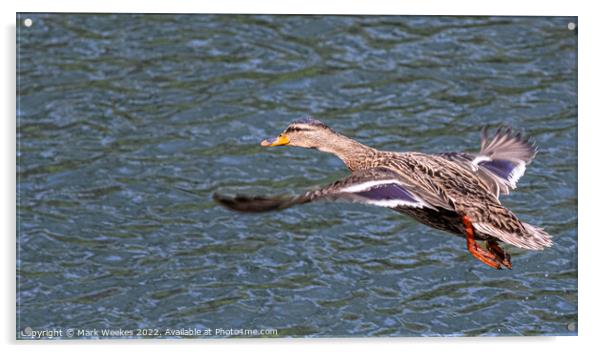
{"x": 27, "y": 22}
{"x": 571, "y": 26}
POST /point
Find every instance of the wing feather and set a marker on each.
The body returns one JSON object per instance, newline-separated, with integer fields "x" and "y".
{"x": 501, "y": 162}
{"x": 378, "y": 187}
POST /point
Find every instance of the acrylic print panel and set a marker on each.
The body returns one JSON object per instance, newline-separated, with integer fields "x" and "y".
{"x": 128, "y": 124}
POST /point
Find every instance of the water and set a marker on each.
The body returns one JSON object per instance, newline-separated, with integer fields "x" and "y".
{"x": 128, "y": 123}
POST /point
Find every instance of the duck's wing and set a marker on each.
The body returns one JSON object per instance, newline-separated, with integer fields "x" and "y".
{"x": 378, "y": 187}
{"x": 501, "y": 162}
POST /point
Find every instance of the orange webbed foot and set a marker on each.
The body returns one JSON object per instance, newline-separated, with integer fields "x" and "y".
{"x": 494, "y": 256}
{"x": 502, "y": 256}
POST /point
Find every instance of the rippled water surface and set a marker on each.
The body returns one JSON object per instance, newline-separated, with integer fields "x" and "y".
{"x": 128, "y": 123}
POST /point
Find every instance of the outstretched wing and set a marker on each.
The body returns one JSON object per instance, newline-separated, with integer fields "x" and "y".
{"x": 501, "y": 162}
{"x": 378, "y": 187}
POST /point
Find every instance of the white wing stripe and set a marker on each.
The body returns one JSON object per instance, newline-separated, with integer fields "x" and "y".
{"x": 369, "y": 185}
{"x": 475, "y": 162}
{"x": 394, "y": 203}
{"x": 516, "y": 174}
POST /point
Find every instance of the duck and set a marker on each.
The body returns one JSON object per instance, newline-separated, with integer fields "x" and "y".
{"x": 456, "y": 192}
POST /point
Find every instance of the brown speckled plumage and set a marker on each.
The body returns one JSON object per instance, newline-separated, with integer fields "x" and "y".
{"x": 436, "y": 190}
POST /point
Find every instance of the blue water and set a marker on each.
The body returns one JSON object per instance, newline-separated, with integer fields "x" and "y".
{"x": 126, "y": 124}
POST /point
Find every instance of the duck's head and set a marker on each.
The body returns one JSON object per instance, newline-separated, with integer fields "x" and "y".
{"x": 307, "y": 133}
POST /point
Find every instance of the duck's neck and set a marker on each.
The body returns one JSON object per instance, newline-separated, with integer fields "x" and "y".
{"x": 355, "y": 155}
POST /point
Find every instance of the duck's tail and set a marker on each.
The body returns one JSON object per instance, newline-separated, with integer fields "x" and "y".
{"x": 539, "y": 238}
{"x": 522, "y": 235}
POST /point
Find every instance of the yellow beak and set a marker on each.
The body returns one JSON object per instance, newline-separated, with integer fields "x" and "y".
{"x": 281, "y": 140}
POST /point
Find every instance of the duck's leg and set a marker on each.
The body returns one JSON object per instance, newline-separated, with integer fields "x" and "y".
{"x": 499, "y": 253}
{"x": 487, "y": 257}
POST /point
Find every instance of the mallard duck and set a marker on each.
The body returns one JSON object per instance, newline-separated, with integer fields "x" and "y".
{"x": 456, "y": 192}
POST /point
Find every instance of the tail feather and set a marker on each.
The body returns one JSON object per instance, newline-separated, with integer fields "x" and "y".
{"x": 526, "y": 237}
{"x": 540, "y": 239}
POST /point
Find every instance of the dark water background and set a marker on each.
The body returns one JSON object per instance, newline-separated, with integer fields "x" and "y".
{"x": 128, "y": 123}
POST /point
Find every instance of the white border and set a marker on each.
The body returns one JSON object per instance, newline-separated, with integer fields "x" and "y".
{"x": 373, "y": 7}
{"x": 589, "y": 147}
